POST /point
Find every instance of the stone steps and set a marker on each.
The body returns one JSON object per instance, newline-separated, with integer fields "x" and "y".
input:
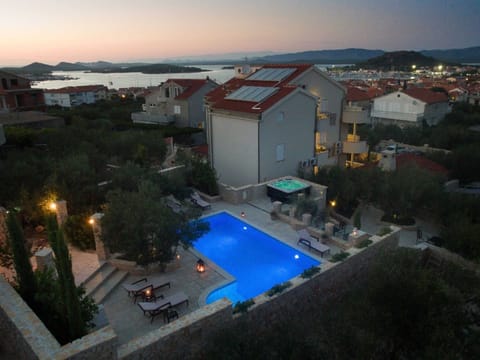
{"x": 108, "y": 285}
{"x": 103, "y": 281}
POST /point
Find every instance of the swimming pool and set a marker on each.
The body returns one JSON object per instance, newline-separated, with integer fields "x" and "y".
{"x": 255, "y": 259}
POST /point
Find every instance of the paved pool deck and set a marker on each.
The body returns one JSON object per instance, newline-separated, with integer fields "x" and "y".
{"x": 128, "y": 320}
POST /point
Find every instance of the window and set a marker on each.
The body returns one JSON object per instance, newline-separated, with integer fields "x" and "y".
{"x": 280, "y": 116}
{"x": 167, "y": 92}
{"x": 280, "y": 152}
{"x": 176, "y": 109}
{"x": 333, "y": 119}
{"x": 177, "y": 90}
{"x": 14, "y": 82}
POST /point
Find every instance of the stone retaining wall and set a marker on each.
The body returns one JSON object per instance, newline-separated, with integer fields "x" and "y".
{"x": 182, "y": 338}
{"x": 25, "y": 336}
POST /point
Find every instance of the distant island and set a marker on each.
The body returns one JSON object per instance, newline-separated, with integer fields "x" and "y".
{"x": 150, "y": 69}
{"x": 399, "y": 61}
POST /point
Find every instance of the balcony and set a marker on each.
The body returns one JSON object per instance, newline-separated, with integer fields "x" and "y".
{"x": 395, "y": 115}
{"x": 355, "y": 114}
{"x": 354, "y": 145}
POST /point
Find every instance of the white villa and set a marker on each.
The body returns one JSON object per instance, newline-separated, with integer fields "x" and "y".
{"x": 266, "y": 124}
{"x": 410, "y": 107}
{"x": 75, "y": 95}
{"x": 176, "y": 100}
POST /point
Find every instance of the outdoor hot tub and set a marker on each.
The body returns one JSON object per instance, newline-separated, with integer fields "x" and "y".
{"x": 286, "y": 189}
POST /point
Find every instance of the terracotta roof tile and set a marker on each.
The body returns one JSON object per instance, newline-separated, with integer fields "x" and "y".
{"x": 191, "y": 86}
{"x": 76, "y": 89}
{"x": 422, "y": 162}
{"x": 426, "y": 95}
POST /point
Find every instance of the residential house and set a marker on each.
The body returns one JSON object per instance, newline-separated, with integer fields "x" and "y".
{"x": 75, "y": 95}
{"x": 17, "y": 95}
{"x": 176, "y": 100}
{"x": 356, "y": 112}
{"x": 265, "y": 124}
{"x": 413, "y": 106}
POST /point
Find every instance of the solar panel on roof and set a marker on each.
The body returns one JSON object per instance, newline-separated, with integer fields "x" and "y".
{"x": 271, "y": 74}
{"x": 252, "y": 93}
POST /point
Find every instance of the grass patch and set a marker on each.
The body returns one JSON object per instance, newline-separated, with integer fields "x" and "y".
{"x": 308, "y": 273}
{"x": 339, "y": 256}
{"x": 241, "y": 307}
{"x": 279, "y": 288}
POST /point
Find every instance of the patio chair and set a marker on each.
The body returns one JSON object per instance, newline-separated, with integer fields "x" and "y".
{"x": 197, "y": 200}
{"x": 312, "y": 243}
{"x": 152, "y": 309}
{"x": 140, "y": 287}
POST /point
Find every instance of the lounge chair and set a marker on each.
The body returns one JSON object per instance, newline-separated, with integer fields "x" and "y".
{"x": 312, "y": 243}
{"x": 139, "y": 288}
{"x": 136, "y": 286}
{"x": 152, "y": 309}
{"x": 197, "y": 200}
{"x": 174, "y": 204}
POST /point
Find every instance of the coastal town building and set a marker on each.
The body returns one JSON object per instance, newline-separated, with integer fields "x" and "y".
{"x": 272, "y": 121}
{"x": 178, "y": 101}
{"x": 413, "y": 106}
{"x": 16, "y": 94}
{"x": 75, "y": 95}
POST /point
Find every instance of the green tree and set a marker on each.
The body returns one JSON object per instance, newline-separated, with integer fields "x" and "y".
{"x": 26, "y": 284}
{"x": 140, "y": 225}
{"x": 71, "y": 302}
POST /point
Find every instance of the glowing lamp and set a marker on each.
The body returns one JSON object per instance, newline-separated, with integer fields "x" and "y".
{"x": 91, "y": 221}
{"x": 242, "y": 214}
{"x": 333, "y": 203}
{"x": 200, "y": 266}
{"x": 52, "y": 206}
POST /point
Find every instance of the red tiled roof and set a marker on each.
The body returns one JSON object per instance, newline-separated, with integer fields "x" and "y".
{"x": 426, "y": 95}
{"x": 217, "y": 97}
{"x": 76, "y": 89}
{"x": 355, "y": 93}
{"x": 422, "y": 162}
{"x": 190, "y": 86}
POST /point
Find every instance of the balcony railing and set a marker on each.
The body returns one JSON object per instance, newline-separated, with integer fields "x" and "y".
{"x": 396, "y": 115}
{"x": 353, "y": 145}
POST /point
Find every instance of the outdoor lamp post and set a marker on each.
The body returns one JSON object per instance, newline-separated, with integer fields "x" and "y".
{"x": 200, "y": 266}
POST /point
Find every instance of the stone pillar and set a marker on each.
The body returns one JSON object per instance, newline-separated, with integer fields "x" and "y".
{"x": 102, "y": 250}
{"x": 44, "y": 259}
{"x": 61, "y": 211}
{"x": 3, "y": 226}
{"x": 329, "y": 228}
{"x": 307, "y": 219}
{"x": 277, "y": 207}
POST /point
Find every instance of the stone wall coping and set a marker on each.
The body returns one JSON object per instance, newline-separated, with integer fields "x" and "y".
{"x": 32, "y": 329}
{"x": 140, "y": 343}
{"x": 87, "y": 342}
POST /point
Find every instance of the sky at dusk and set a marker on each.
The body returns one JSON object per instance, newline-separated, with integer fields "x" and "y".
{"x": 51, "y": 31}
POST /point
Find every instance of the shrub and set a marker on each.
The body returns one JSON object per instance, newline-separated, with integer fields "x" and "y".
{"x": 357, "y": 219}
{"x": 363, "y": 244}
{"x": 242, "y": 307}
{"x": 203, "y": 177}
{"x": 78, "y": 232}
{"x": 277, "y": 289}
{"x": 339, "y": 256}
{"x": 308, "y": 273}
{"x": 384, "y": 231}
{"x": 304, "y": 206}
{"x": 398, "y": 220}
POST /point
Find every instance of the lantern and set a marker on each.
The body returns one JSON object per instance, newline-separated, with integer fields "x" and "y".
{"x": 200, "y": 266}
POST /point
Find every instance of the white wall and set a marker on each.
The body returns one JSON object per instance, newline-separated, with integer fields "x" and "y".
{"x": 398, "y": 106}
{"x": 60, "y": 99}
{"x": 296, "y": 132}
{"x": 234, "y": 142}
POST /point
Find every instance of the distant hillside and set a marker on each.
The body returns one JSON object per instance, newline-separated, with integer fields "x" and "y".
{"x": 37, "y": 67}
{"x": 467, "y": 55}
{"x": 398, "y": 61}
{"x": 343, "y": 56}
{"x": 66, "y": 66}
{"x": 150, "y": 69}
{"x": 96, "y": 64}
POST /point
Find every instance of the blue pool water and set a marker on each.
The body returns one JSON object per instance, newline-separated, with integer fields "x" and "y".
{"x": 255, "y": 259}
